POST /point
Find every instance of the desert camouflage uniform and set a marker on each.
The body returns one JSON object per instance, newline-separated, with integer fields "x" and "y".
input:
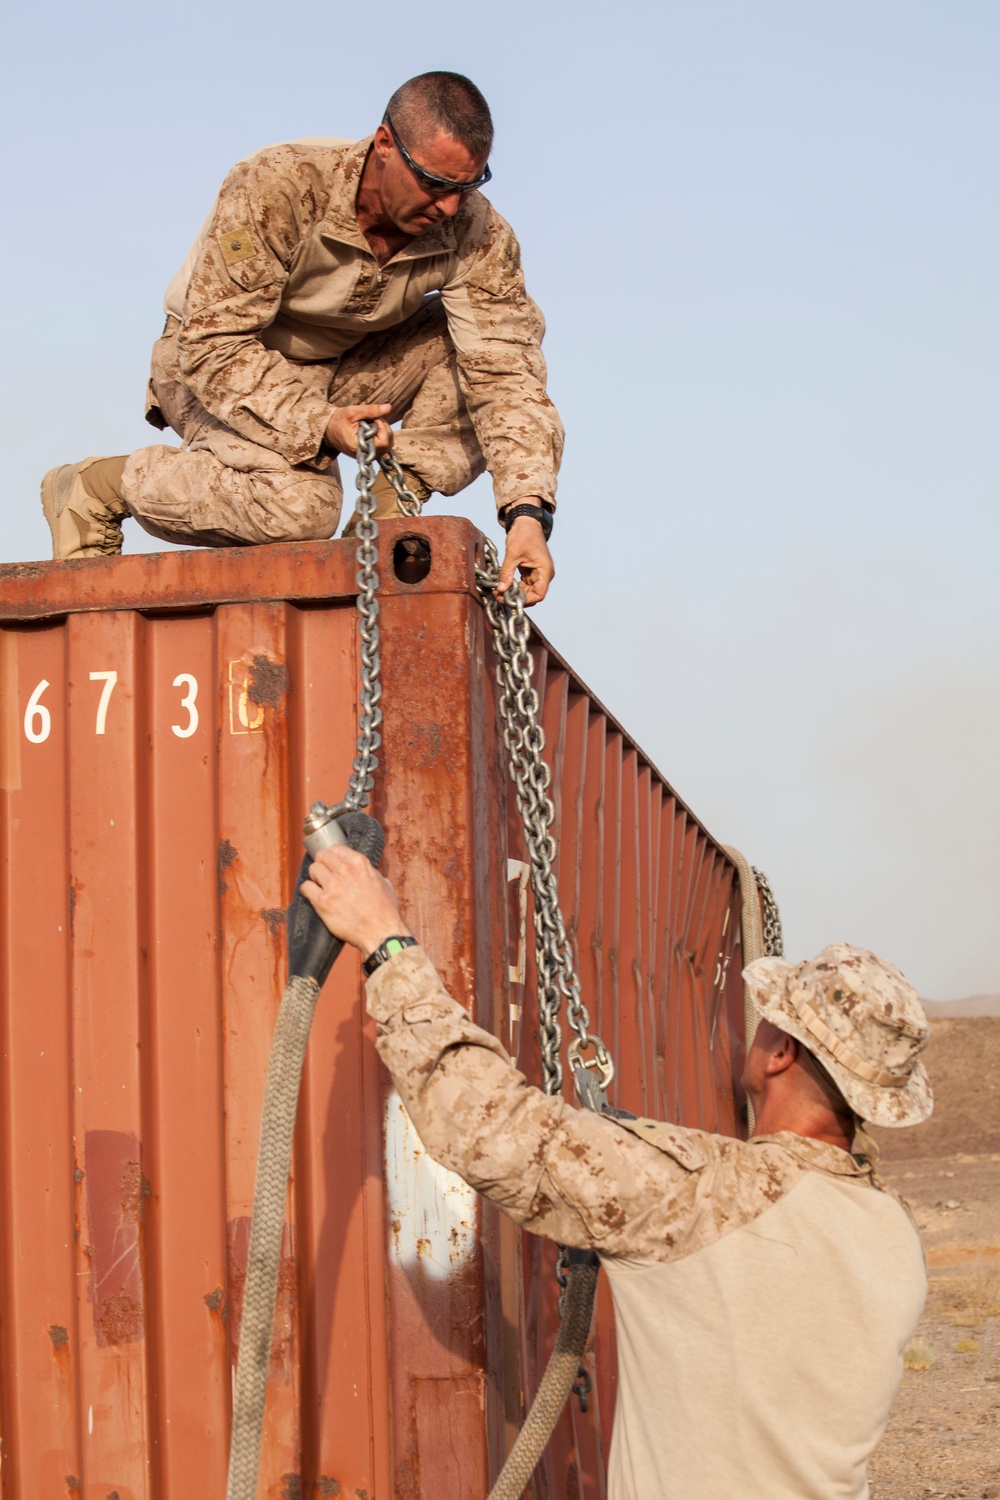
{"x": 282, "y": 312}
{"x": 764, "y": 1290}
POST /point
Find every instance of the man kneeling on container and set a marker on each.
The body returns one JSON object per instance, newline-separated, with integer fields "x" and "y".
{"x": 764, "y": 1290}
{"x": 333, "y": 282}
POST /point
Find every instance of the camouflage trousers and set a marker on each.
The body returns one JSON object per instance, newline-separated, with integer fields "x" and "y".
{"x": 221, "y": 490}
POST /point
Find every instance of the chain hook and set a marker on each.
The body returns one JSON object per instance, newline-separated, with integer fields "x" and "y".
{"x": 600, "y": 1063}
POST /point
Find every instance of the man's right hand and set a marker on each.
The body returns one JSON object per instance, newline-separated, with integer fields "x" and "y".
{"x": 355, "y": 902}
{"x": 527, "y": 553}
{"x": 342, "y": 428}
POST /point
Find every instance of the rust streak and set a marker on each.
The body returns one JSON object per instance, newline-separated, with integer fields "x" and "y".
{"x": 227, "y": 854}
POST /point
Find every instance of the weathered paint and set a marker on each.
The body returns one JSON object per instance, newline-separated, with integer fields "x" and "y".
{"x": 115, "y": 1188}
{"x": 164, "y": 724}
{"x": 432, "y": 1212}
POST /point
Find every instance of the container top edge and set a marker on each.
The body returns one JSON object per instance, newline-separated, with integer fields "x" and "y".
{"x": 201, "y": 578}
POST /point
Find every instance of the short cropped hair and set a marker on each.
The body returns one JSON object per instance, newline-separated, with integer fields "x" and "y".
{"x": 446, "y": 101}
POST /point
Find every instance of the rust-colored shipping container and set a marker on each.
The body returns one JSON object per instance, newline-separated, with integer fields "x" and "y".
{"x": 165, "y": 722}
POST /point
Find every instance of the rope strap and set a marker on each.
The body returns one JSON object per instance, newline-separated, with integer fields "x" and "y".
{"x": 277, "y": 1129}
{"x": 753, "y": 933}
{"x": 758, "y": 939}
{"x": 556, "y": 1383}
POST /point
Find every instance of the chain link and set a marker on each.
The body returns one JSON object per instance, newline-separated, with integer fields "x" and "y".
{"x": 409, "y": 503}
{"x": 524, "y": 739}
{"x": 774, "y": 944}
{"x": 558, "y": 980}
{"x": 366, "y": 555}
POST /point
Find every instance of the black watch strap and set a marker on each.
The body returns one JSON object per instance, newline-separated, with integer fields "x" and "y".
{"x": 386, "y": 950}
{"x": 536, "y": 512}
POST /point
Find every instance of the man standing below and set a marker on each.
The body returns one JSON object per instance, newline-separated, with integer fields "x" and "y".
{"x": 336, "y": 282}
{"x": 764, "y": 1290}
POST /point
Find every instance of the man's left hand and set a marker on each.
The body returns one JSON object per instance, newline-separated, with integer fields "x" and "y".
{"x": 528, "y": 552}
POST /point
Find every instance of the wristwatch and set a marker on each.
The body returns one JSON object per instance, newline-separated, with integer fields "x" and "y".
{"x": 386, "y": 950}
{"x": 536, "y": 512}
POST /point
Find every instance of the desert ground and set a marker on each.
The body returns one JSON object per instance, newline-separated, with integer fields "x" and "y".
{"x": 943, "y": 1438}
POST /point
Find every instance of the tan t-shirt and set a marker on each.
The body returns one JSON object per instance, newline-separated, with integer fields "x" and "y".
{"x": 764, "y": 1290}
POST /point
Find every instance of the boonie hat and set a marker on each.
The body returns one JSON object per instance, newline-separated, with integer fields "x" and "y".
{"x": 861, "y": 1019}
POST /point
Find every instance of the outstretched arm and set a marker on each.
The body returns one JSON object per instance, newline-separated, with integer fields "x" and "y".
{"x": 558, "y": 1171}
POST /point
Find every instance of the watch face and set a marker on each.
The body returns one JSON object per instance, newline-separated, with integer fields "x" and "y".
{"x": 388, "y": 949}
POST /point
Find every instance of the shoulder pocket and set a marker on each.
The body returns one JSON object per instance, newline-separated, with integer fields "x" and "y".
{"x": 423, "y": 1010}
{"x": 244, "y": 257}
{"x": 673, "y": 1140}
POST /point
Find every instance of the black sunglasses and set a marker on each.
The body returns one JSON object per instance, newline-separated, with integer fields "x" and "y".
{"x": 439, "y": 186}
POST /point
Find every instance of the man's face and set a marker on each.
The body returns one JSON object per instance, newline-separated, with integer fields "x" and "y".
{"x": 407, "y": 202}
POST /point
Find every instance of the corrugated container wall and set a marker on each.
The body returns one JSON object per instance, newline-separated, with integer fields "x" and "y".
{"x": 166, "y": 722}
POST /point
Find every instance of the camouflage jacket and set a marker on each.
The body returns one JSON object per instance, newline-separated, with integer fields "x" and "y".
{"x": 281, "y": 276}
{"x": 764, "y": 1290}
{"x": 641, "y": 1189}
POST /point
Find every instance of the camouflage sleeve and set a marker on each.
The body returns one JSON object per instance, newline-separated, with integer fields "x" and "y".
{"x": 261, "y": 216}
{"x": 497, "y": 332}
{"x": 558, "y": 1171}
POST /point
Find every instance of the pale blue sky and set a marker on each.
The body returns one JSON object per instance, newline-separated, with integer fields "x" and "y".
{"x": 766, "y": 237}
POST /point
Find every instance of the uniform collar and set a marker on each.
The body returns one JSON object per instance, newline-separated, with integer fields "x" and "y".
{"x": 817, "y": 1154}
{"x": 340, "y": 220}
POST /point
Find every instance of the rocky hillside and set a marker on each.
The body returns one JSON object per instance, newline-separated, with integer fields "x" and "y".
{"x": 963, "y": 1059}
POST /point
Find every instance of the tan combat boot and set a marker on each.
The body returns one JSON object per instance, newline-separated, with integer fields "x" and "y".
{"x": 84, "y": 507}
{"x": 386, "y": 499}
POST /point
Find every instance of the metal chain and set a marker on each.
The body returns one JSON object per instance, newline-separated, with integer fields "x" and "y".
{"x": 774, "y": 945}
{"x": 366, "y": 555}
{"x": 409, "y": 503}
{"x": 524, "y": 738}
{"x": 558, "y": 980}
